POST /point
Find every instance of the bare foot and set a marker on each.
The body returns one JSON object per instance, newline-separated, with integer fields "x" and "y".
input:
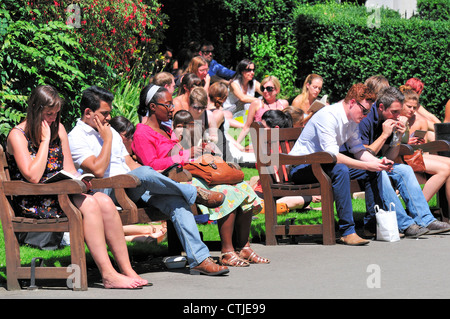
{"x": 119, "y": 281}
{"x": 134, "y": 275}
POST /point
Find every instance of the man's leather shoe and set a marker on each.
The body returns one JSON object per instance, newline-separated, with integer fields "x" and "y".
{"x": 209, "y": 198}
{"x": 210, "y": 268}
{"x": 353, "y": 240}
{"x": 415, "y": 231}
{"x": 438, "y": 227}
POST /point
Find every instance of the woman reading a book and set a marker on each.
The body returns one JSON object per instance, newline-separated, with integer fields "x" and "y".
{"x": 38, "y": 148}
{"x": 270, "y": 87}
{"x": 310, "y": 92}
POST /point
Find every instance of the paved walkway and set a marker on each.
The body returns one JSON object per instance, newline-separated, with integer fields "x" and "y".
{"x": 410, "y": 268}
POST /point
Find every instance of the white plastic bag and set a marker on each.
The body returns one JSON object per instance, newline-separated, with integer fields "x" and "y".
{"x": 387, "y": 227}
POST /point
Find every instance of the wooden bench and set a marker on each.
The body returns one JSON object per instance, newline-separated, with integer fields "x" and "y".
{"x": 267, "y": 144}
{"x": 12, "y": 222}
{"x": 275, "y": 186}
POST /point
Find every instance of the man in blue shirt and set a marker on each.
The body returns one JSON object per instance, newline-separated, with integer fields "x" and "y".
{"x": 215, "y": 69}
{"x": 376, "y": 133}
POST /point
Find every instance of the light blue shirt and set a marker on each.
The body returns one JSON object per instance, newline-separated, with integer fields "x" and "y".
{"x": 327, "y": 130}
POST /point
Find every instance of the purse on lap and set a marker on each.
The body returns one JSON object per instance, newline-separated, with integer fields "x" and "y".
{"x": 415, "y": 160}
{"x": 214, "y": 170}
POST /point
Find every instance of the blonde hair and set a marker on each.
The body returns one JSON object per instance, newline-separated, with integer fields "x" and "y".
{"x": 198, "y": 95}
{"x": 162, "y": 78}
{"x": 309, "y": 79}
{"x": 272, "y": 79}
{"x": 376, "y": 83}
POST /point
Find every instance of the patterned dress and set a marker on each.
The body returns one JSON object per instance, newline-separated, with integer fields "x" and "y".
{"x": 39, "y": 206}
{"x": 237, "y": 195}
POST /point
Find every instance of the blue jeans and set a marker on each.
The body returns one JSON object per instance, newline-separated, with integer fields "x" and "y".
{"x": 406, "y": 182}
{"x": 174, "y": 200}
{"x": 340, "y": 179}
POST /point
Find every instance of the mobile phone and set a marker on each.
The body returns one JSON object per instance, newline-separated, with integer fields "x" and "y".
{"x": 420, "y": 133}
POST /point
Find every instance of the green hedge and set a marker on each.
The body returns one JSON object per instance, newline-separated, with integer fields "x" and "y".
{"x": 433, "y": 9}
{"x": 339, "y": 43}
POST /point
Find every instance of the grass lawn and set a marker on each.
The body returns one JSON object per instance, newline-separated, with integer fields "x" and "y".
{"x": 141, "y": 252}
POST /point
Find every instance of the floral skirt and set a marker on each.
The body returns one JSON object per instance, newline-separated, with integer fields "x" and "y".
{"x": 40, "y": 207}
{"x": 239, "y": 195}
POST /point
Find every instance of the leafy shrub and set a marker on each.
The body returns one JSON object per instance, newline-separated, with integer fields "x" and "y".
{"x": 119, "y": 34}
{"x": 339, "y": 43}
{"x": 126, "y": 99}
{"x": 268, "y": 36}
{"x": 433, "y": 9}
{"x": 33, "y": 54}
{"x": 273, "y": 57}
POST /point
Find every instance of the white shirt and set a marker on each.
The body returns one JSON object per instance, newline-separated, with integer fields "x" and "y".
{"x": 232, "y": 103}
{"x": 85, "y": 141}
{"x": 328, "y": 130}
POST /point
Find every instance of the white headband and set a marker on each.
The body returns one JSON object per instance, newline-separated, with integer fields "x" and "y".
{"x": 151, "y": 93}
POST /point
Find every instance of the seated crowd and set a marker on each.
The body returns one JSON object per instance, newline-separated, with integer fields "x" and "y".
{"x": 177, "y": 129}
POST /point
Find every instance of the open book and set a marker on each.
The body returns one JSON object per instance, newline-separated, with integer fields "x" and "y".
{"x": 62, "y": 175}
{"x": 318, "y": 104}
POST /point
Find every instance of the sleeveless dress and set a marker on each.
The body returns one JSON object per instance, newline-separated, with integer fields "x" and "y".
{"x": 39, "y": 206}
{"x": 233, "y": 104}
{"x": 263, "y": 109}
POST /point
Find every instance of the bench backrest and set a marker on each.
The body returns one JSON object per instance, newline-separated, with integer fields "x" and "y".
{"x": 4, "y": 171}
{"x": 270, "y": 143}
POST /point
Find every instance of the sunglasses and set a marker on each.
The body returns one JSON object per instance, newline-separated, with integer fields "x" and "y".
{"x": 167, "y": 106}
{"x": 363, "y": 109}
{"x": 184, "y": 125}
{"x": 198, "y": 108}
{"x": 250, "y": 70}
{"x": 268, "y": 88}
{"x": 208, "y": 52}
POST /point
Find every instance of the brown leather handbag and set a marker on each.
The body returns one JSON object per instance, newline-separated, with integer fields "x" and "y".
{"x": 415, "y": 160}
{"x": 214, "y": 170}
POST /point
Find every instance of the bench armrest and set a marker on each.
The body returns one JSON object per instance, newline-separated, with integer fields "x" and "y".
{"x": 19, "y": 188}
{"x": 433, "y": 147}
{"x": 118, "y": 181}
{"x": 314, "y": 158}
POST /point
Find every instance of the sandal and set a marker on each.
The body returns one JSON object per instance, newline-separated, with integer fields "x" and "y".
{"x": 252, "y": 257}
{"x": 233, "y": 261}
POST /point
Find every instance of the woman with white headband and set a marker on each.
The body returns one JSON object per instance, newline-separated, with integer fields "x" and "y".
{"x": 154, "y": 147}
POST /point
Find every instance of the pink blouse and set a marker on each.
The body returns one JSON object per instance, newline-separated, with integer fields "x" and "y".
{"x": 153, "y": 149}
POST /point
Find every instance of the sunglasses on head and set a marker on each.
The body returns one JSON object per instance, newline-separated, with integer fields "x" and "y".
{"x": 268, "y": 88}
